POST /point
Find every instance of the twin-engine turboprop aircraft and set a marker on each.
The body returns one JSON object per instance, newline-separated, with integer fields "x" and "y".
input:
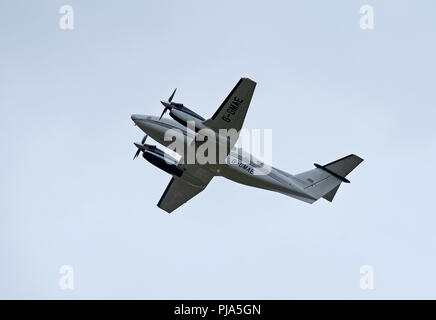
{"x": 189, "y": 179}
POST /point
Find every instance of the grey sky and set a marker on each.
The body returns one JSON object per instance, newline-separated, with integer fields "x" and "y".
{"x": 70, "y": 193}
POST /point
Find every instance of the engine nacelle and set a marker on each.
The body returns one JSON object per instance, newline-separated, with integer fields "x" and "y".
{"x": 184, "y": 115}
{"x": 162, "y": 160}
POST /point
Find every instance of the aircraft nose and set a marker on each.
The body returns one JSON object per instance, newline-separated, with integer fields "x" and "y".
{"x": 135, "y": 117}
{"x": 140, "y": 117}
{"x": 150, "y": 125}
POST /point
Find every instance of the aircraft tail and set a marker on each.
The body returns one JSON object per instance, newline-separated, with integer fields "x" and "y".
{"x": 324, "y": 181}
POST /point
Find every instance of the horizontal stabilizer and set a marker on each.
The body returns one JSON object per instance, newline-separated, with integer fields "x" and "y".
{"x": 324, "y": 181}
{"x": 344, "y": 166}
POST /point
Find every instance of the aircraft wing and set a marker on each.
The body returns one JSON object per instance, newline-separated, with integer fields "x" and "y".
{"x": 181, "y": 190}
{"x": 231, "y": 113}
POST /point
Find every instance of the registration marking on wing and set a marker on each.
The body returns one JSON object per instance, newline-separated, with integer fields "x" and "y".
{"x": 231, "y": 110}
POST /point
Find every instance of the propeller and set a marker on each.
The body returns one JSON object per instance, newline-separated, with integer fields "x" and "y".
{"x": 140, "y": 147}
{"x": 167, "y": 104}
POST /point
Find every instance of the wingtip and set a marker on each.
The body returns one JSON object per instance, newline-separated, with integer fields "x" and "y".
{"x": 357, "y": 157}
{"x": 248, "y": 79}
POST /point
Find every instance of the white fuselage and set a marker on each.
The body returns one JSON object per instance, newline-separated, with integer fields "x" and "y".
{"x": 239, "y": 165}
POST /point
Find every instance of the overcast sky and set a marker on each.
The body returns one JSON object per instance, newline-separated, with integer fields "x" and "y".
{"x": 71, "y": 194}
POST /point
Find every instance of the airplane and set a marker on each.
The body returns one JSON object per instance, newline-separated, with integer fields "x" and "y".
{"x": 188, "y": 180}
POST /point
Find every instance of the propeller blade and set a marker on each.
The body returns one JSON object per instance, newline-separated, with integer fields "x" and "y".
{"x": 137, "y": 154}
{"x": 167, "y": 104}
{"x": 141, "y": 147}
{"x": 165, "y": 110}
{"x": 143, "y": 139}
{"x": 172, "y": 95}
